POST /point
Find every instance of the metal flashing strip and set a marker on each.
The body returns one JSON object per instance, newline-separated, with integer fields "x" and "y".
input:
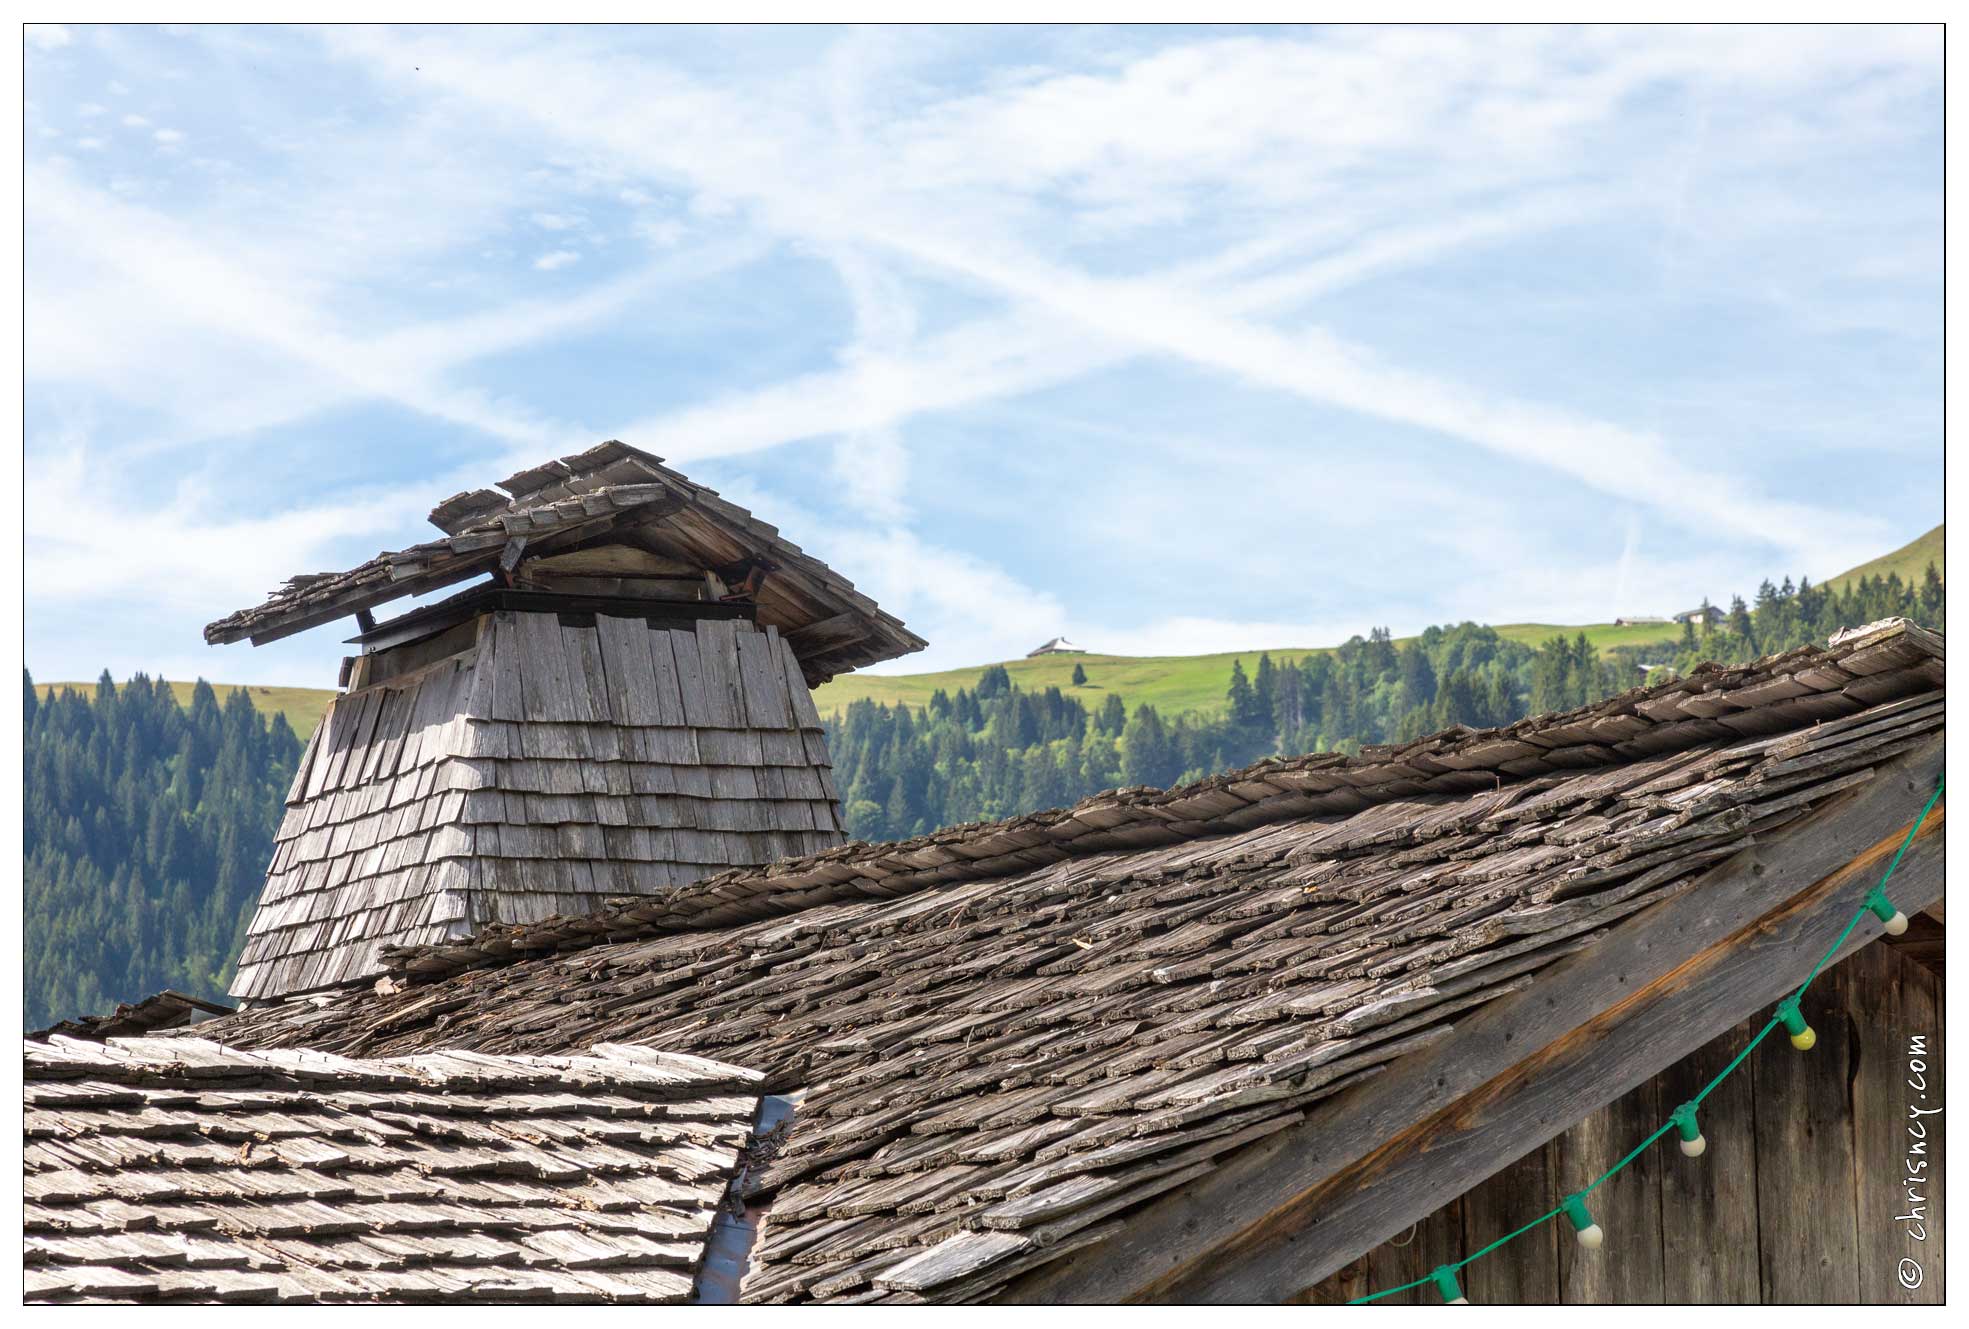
{"x": 728, "y": 1253}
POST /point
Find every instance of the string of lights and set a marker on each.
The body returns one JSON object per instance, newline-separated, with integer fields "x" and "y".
{"x": 1683, "y": 1120}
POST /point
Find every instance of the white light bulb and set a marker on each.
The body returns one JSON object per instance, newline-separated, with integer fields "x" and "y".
{"x": 1693, "y": 1148}
{"x": 1896, "y": 925}
{"x": 1590, "y": 1236}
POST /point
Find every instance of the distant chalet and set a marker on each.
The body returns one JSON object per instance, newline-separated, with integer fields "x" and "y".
{"x": 619, "y": 707}
{"x": 1057, "y": 646}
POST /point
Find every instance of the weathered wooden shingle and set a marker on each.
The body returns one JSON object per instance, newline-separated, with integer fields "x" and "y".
{"x": 183, "y": 1170}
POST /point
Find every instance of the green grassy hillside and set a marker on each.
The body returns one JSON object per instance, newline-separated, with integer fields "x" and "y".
{"x": 1170, "y": 683}
{"x": 303, "y": 707}
{"x": 1177, "y": 683}
{"x": 1911, "y": 561}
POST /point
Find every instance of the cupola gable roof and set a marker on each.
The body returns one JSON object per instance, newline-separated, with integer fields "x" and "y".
{"x": 613, "y": 516}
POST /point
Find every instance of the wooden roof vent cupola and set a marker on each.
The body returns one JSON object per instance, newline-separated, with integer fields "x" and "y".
{"x": 618, "y": 706}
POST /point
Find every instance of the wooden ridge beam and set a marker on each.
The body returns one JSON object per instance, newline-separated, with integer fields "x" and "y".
{"x": 1279, "y": 1216}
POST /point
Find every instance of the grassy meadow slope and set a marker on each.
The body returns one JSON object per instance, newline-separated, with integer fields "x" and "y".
{"x": 1911, "y": 561}
{"x": 1170, "y": 683}
{"x": 1177, "y": 683}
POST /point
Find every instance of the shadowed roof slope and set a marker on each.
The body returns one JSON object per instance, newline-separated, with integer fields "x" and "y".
{"x": 177, "y": 1169}
{"x": 610, "y": 489}
{"x": 1012, "y": 1037}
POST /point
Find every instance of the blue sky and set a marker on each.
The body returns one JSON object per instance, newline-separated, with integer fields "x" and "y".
{"x": 1171, "y": 340}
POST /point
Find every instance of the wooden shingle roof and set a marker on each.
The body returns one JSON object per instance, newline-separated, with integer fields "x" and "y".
{"x": 1014, "y": 1039}
{"x": 1713, "y": 703}
{"x": 609, "y": 488}
{"x": 181, "y": 1170}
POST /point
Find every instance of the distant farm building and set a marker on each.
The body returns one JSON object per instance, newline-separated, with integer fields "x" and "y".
{"x": 1708, "y": 613}
{"x": 1057, "y": 646}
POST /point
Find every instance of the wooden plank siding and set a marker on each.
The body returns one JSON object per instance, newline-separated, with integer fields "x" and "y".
{"x": 1794, "y": 1201}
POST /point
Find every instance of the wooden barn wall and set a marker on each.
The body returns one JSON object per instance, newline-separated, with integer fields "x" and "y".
{"x": 1795, "y": 1201}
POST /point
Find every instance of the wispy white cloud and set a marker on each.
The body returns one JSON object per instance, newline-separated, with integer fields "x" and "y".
{"x": 115, "y": 288}
{"x": 1013, "y": 354}
{"x": 1154, "y": 116}
{"x": 48, "y": 36}
{"x": 886, "y": 237}
{"x": 872, "y": 463}
{"x": 114, "y": 282}
{"x": 82, "y": 530}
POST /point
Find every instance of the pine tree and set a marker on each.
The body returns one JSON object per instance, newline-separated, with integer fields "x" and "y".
{"x": 1463, "y": 696}
{"x": 1931, "y": 598}
{"x": 899, "y": 812}
{"x": 1264, "y": 686}
{"x": 1418, "y": 675}
{"x": 1501, "y": 701}
{"x": 1079, "y": 675}
{"x": 1042, "y": 783}
{"x": 1147, "y": 757}
{"x": 1246, "y": 712}
{"x": 1740, "y": 623}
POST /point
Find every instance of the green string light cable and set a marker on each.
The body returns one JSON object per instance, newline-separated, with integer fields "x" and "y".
{"x": 1683, "y": 1120}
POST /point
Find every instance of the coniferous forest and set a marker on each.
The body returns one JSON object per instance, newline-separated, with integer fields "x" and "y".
{"x": 148, "y": 825}
{"x": 147, "y": 828}
{"x": 997, "y": 750}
